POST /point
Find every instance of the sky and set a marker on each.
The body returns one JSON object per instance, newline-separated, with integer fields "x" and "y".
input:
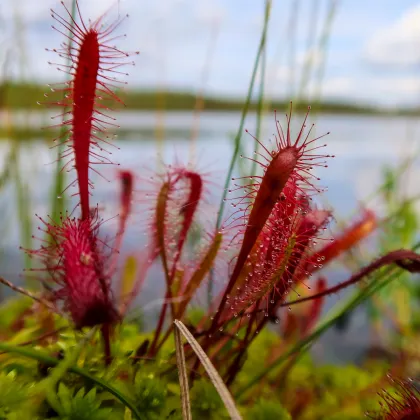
{"x": 372, "y": 52}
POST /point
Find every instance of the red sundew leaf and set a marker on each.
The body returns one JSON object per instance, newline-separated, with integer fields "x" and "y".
{"x": 126, "y": 196}
{"x": 269, "y": 255}
{"x": 311, "y": 224}
{"x": 160, "y": 227}
{"x": 75, "y": 262}
{"x": 287, "y": 237}
{"x": 189, "y": 207}
{"x": 290, "y": 161}
{"x": 403, "y": 404}
{"x": 291, "y": 326}
{"x": 350, "y": 237}
{"x": 94, "y": 62}
{"x": 170, "y": 232}
{"x": 176, "y": 207}
{"x": 345, "y": 241}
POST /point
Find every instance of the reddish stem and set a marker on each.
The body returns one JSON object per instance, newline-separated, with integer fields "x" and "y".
{"x": 106, "y": 336}
{"x": 404, "y": 258}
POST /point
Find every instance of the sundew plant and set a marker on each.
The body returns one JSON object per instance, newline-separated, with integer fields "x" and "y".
{"x": 71, "y": 350}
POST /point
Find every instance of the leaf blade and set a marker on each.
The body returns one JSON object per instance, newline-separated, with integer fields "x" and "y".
{"x": 183, "y": 377}
{"x": 211, "y": 371}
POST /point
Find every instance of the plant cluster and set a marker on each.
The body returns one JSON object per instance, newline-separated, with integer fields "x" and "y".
{"x": 260, "y": 257}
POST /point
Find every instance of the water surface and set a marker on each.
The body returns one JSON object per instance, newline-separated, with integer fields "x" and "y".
{"x": 363, "y": 145}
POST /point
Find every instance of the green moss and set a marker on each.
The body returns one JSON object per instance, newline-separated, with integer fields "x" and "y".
{"x": 328, "y": 391}
{"x": 267, "y": 410}
{"x": 82, "y": 406}
{"x": 206, "y": 403}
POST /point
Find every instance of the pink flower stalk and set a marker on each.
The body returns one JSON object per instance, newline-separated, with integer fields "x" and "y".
{"x": 94, "y": 62}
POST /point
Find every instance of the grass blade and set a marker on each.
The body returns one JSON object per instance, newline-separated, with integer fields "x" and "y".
{"x": 58, "y": 203}
{"x": 183, "y": 377}
{"x": 239, "y": 132}
{"x": 244, "y": 112}
{"x": 211, "y": 371}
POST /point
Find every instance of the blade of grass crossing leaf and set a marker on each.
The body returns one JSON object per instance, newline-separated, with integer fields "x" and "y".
{"x": 183, "y": 377}
{"x": 211, "y": 371}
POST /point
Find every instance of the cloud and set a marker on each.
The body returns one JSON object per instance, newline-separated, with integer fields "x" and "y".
{"x": 397, "y": 44}
{"x": 172, "y": 37}
{"x": 377, "y": 90}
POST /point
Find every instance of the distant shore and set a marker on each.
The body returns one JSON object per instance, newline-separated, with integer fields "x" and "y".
{"x": 18, "y": 96}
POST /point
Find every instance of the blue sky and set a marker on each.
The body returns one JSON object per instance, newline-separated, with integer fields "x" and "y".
{"x": 373, "y": 54}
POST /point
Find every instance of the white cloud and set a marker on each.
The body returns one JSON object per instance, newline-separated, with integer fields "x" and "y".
{"x": 388, "y": 91}
{"x": 397, "y": 44}
{"x": 171, "y": 35}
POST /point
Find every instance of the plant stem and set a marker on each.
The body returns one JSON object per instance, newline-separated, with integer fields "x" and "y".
{"x": 59, "y": 203}
{"x": 260, "y": 104}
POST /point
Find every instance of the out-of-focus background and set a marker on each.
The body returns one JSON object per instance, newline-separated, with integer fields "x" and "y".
{"x": 356, "y": 62}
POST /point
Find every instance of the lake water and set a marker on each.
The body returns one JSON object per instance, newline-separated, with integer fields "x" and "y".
{"x": 362, "y": 146}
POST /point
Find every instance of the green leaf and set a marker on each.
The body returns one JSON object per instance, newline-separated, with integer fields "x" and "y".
{"x": 64, "y": 395}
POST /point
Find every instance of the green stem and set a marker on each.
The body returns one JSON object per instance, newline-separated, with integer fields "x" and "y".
{"x": 323, "y": 44}
{"x": 240, "y": 130}
{"x": 59, "y": 203}
{"x": 260, "y": 105}
{"x": 244, "y": 113}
